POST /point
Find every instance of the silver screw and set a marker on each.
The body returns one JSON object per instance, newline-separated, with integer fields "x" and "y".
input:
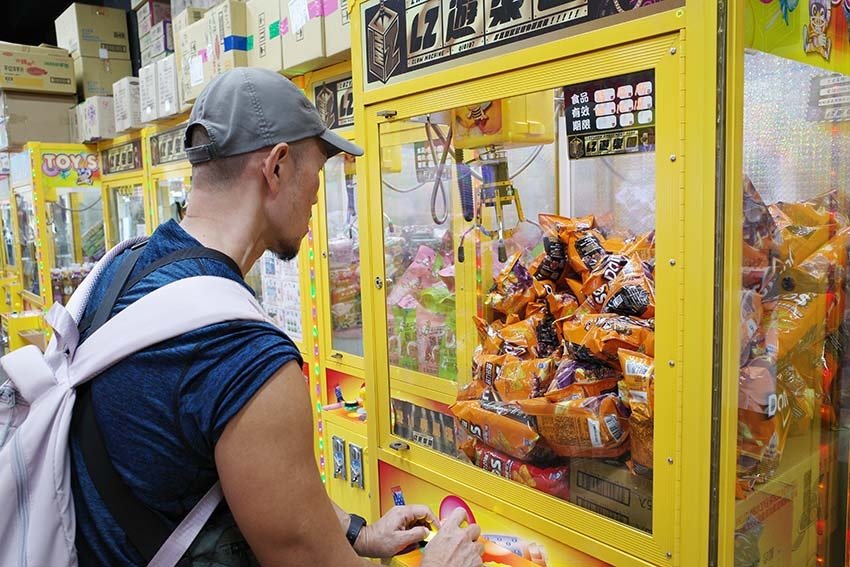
{"x": 672, "y": 51}
{"x": 673, "y": 157}
{"x": 670, "y": 460}
{"x": 669, "y": 555}
{"x": 671, "y": 363}
{"x": 672, "y": 261}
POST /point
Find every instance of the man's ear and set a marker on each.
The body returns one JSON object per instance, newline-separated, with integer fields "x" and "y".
{"x": 271, "y": 164}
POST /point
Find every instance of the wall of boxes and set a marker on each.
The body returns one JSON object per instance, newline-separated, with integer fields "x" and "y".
{"x": 85, "y": 91}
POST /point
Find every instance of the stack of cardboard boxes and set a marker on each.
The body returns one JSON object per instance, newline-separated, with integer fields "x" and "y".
{"x": 156, "y": 38}
{"x": 37, "y": 87}
{"x": 97, "y": 39}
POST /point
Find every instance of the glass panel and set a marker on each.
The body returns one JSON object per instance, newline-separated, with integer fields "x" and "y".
{"x": 794, "y": 367}
{"x": 76, "y": 220}
{"x": 126, "y": 211}
{"x": 280, "y": 294}
{"x": 561, "y": 221}
{"x": 343, "y": 255}
{"x": 8, "y": 233}
{"x": 172, "y": 194}
{"x": 26, "y": 236}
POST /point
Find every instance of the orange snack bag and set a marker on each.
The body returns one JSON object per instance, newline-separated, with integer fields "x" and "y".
{"x": 752, "y": 314}
{"x": 598, "y": 338}
{"x": 797, "y": 321}
{"x": 505, "y": 378}
{"x": 513, "y": 289}
{"x": 586, "y": 250}
{"x": 551, "y": 480}
{"x": 632, "y": 295}
{"x": 639, "y": 377}
{"x": 576, "y": 287}
{"x": 520, "y": 339}
{"x": 501, "y": 425}
{"x": 595, "y": 287}
{"x": 589, "y": 427}
{"x": 491, "y": 342}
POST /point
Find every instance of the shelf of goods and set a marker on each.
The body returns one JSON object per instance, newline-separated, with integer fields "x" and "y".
{"x": 558, "y": 333}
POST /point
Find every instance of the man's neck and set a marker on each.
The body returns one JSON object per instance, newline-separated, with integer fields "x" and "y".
{"x": 240, "y": 243}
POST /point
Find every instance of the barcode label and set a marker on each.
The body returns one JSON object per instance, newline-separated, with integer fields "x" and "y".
{"x": 595, "y": 433}
{"x": 613, "y": 425}
{"x": 637, "y": 368}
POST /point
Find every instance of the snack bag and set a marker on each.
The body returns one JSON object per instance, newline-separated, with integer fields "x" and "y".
{"x": 764, "y": 415}
{"x": 595, "y": 288}
{"x": 430, "y": 335}
{"x": 401, "y": 337}
{"x": 588, "y": 427}
{"x": 417, "y": 277}
{"x": 563, "y": 226}
{"x": 551, "y": 264}
{"x": 505, "y": 378}
{"x": 576, "y": 380}
{"x": 820, "y": 271}
{"x": 759, "y": 227}
{"x": 639, "y": 378}
{"x": 551, "y": 480}
{"x": 598, "y": 338}
{"x": 796, "y": 242}
{"x": 631, "y": 295}
{"x": 577, "y": 289}
{"x": 797, "y": 321}
{"x": 586, "y": 251}
{"x": 561, "y": 305}
{"x": 491, "y": 341}
{"x": 520, "y": 339}
{"x": 513, "y": 289}
{"x": 501, "y": 425}
{"x": 752, "y": 314}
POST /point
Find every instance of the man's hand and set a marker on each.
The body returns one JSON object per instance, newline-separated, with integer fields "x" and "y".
{"x": 397, "y": 529}
{"x": 454, "y": 545}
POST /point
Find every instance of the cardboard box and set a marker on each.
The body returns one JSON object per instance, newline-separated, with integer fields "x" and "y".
{"x": 337, "y": 31}
{"x": 148, "y": 91}
{"x": 265, "y": 48}
{"x": 81, "y": 135}
{"x": 73, "y": 126}
{"x": 98, "y": 119}
{"x": 610, "y": 489}
{"x": 150, "y": 14}
{"x": 93, "y": 31}
{"x": 158, "y": 43}
{"x": 228, "y": 32}
{"x": 197, "y": 68}
{"x": 179, "y": 25}
{"x": 184, "y": 19}
{"x": 178, "y": 6}
{"x": 167, "y": 100}
{"x": 95, "y": 76}
{"x": 36, "y": 69}
{"x": 302, "y": 34}
{"x": 125, "y": 99}
{"x": 33, "y": 117}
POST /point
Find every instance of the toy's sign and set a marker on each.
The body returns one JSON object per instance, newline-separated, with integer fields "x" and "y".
{"x": 335, "y": 101}
{"x": 404, "y": 36}
{"x": 70, "y": 169}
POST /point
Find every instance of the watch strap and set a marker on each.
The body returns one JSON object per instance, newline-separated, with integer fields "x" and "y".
{"x": 354, "y": 527}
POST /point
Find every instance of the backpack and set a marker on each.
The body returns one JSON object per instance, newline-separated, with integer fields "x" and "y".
{"x": 38, "y": 392}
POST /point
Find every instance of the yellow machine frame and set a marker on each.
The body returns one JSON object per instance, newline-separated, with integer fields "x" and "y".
{"x": 180, "y": 168}
{"x": 336, "y": 360}
{"x": 137, "y": 176}
{"x": 681, "y": 45}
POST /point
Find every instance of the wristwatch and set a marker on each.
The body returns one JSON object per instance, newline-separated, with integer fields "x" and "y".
{"x": 355, "y": 525}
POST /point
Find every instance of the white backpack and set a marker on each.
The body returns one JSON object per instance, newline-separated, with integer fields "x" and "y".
{"x": 37, "y": 523}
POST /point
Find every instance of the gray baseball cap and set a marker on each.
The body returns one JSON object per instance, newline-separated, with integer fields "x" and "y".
{"x": 249, "y": 108}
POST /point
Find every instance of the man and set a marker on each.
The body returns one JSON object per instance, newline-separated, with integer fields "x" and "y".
{"x": 228, "y": 402}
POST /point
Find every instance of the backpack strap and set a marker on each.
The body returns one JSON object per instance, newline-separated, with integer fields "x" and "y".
{"x": 182, "y": 537}
{"x": 170, "y": 311}
{"x": 120, "y": 285}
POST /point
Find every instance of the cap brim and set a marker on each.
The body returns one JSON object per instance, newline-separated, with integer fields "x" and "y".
{"x": 337, "y": 144}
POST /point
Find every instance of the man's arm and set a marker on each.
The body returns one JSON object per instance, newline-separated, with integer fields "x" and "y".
{"x": 265, "y": 462}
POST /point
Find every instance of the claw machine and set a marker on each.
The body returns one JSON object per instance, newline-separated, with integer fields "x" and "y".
{"x": 9, "y": 276}
{"x": 540, "y": 271}
{"x": 125, "y": 194}
{"x": 59, "y": 221}
{"x": 169, "y": 170}
{"x": 340, "y": 313}
{"x": 783, "y": 439}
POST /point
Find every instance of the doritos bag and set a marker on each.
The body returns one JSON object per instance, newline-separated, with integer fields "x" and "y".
{"x": 502, "y": 425}
{"x": 599, "y": 338}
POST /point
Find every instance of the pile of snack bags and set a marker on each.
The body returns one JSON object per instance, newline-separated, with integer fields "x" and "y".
{"x": 565, "y": 366}
{"x": 792, "y": 310}
{"x": 344, "y": 272}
